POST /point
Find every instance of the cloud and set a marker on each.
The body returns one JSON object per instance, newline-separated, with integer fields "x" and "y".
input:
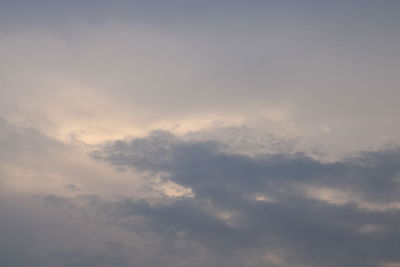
{"x": 341, "y": 213}
{"x": 103, "y": 71}
{"x": 253, "y": 105}
{"x": 217, "y": 207}
{"x": 46, "y": 231}
{"x": 34, "y": 163}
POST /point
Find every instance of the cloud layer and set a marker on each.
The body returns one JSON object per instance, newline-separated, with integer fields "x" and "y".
{"x": 313, "y": 213}
{"x": 215, "y": 206}
{"x": 199, "y": 133}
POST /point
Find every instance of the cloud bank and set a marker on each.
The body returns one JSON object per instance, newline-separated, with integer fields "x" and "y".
{"x": 199, "y": 133}
{"x": 312, "y": 213}
{"x": 215, "y": 206}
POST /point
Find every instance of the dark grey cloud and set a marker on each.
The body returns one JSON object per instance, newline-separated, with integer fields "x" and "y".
{"x": 309, "y": 230}
{"x": 273, "y": 209}
{"x": 204, "y": 167}
{"x": 47, "y": 231}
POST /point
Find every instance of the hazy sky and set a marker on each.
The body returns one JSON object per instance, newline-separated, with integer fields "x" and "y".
{"x": 199, "y": 133}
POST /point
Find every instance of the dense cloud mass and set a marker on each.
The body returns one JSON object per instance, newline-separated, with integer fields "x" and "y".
{"x": 199, "y": 133}
{"x": 313, "y": 213}
{"x": 226, "y": 208}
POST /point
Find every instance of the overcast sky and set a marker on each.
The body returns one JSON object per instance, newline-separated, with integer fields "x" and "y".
{"x": 200, "y": 133}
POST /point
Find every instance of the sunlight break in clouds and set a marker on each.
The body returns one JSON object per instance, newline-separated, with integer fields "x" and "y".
{"x": 199, "y": 133}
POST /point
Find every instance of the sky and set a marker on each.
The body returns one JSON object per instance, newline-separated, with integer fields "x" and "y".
{"x": 199, "y": 133}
